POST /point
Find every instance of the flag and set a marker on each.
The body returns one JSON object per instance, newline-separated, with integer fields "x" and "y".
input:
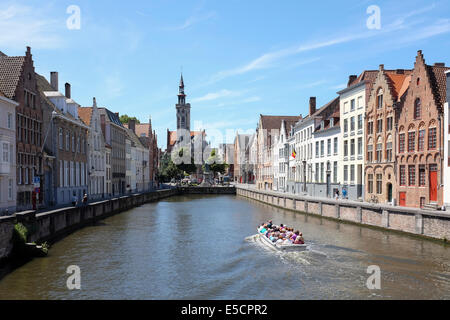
{"x": 294, "y": 154}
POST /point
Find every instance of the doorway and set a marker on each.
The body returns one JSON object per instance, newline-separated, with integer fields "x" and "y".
{"x": 389, "y": 195}
{"x": 402, "y": 199}
{"x": 433, "y": 183}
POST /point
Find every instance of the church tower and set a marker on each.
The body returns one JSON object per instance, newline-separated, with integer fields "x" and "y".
{"x": 183, "y": 109}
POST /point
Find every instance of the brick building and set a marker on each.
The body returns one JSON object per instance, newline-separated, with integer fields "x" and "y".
{"x": 18, "y": 83}
{"x": 115, "y": 136}
{"x": 65, "y": 145}
{"x": 420, "y": 153}
{"x": 387, "y": 95}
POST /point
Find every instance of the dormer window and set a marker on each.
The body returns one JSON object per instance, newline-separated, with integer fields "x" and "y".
{"x": 322, "y": 125}
{"x": 332, "y": 122}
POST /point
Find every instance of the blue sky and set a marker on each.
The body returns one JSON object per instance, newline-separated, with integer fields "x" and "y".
{"x": 239, "y": 58}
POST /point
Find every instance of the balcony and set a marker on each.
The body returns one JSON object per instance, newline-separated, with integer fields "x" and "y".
{"x": 5, "y": 168}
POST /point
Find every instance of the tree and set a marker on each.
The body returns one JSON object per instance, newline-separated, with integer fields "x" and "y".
{"x": 168, "y": 169}
{"x": 125, "y": 118}
{"x": 189, "y": 168}
{"x": 215, "y": 164}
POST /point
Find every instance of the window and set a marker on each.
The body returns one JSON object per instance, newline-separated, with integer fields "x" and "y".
{"x": 389, "y": 124}
{"x": 360, "y": 102}
{"x": 67, "y": 141}
{"x": 411, "y": 141}
{"x": 360, "y": 151}
{"x": 61, "y": 139}
{"x": 345, "y": 107}
{"x": 389, "y": 151}
{"x": 380, "y": 99}
{"x": 61, "y": 173}
{"x": 370, "y": 127}
{"x": 335, "y": 171}
{"x": 360, "y": 122}
{"x": 5, "y": 152}
{"x": 379, "y": 183}
{"x": 421, "y": 176}
{"x": 352, "y": 105}
{"x": 412, "y": 175}
{"x": 10, "y": 189}
{"x": 401, "y": 143}
{"x": 10, "y": 121}
{"x": 352, "y": 147}
{"x": 379, "y": 125}
{"x": 322, "y": 147}
{"x": 346, "y": 148}
{"x": 352, "y": 124}
{"x": 321, "y": 172}
{"x": 402, "y": 176}
{"x": 329, "y": 147}
{"x": 345, "y": 125}
{"x": 317, "y": 149}
{"x": 417, "y": 109}
{"x": 352, "y": 173}
{"x": 317, "y": 172}
{"x": 370, "y": 183}
{"x": 73, "y": 143}
{"x": 369, "y": 153}
{"x": 379, "y": 152}
{"x": 421, "y": 142}
{"x": 335, "y": 145}
{"x": 432, "y": 138}
{"x": 345, "y": 173}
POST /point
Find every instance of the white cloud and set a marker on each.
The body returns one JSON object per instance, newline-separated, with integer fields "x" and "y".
{"x": 194, "y": 19}
{"x": 217, "y": 95}
{"x": 23, "y": 25}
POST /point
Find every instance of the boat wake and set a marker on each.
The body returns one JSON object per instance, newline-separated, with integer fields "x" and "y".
{"x": 306, "y": 257}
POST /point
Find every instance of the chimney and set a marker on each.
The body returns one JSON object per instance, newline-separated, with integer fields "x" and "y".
{"x": 351, "y": 79}
{"x": 54, "y": 80}
{"x": 381, "y": 67}
{"x": 399, "y": 71}
{"x": 312, "y": 105}
{"x": 28, "y": 53}
{"x": 439, "y": 64}
{"x": 132, "y": 125}
{"x": 67, "y": 85}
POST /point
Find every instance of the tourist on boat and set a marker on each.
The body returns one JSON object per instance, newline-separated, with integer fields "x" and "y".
{"x": 269, "y": 225}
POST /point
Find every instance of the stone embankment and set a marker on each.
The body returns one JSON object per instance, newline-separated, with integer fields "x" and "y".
{"x": 430, "y": 224}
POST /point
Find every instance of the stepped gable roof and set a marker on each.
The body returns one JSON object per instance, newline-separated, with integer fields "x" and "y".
{"x": 85, "y": 114}
{"x": 398, "y": 83}
{"x": 438, "y": 82}
{"x": 243, "y": 139}
{"x": 10, "y": 72}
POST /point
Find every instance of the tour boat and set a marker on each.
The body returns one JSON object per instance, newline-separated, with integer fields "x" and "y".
{"x": 282, "y": 247}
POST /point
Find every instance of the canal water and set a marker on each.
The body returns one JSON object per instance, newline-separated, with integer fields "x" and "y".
{"x": 201, "y": 247}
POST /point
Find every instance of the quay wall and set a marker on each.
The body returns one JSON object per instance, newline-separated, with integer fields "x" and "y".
{"x": 429, "y": 224}
{"x": 55, "y": 224}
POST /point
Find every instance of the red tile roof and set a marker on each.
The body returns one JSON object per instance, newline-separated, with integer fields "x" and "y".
{"x": 438, "y": 83}
{"x": 85, "y": 114}
{"x": 10, "y": 72}
{"x": 173, "y": 136}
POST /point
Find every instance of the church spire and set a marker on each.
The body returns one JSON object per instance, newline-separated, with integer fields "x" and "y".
{"x": 181, "y": 95}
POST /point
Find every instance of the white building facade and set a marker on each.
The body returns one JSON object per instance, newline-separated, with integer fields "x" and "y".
{"x": 8, "y": 155}
{"x": 352, "y": 112}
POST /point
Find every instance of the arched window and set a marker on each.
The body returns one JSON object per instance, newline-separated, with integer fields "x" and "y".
{"x": 380, "y": 99}
{"x": 417, "y": 109}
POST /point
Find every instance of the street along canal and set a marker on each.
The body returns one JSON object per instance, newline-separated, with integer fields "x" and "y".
{"x": 201, "y": 247}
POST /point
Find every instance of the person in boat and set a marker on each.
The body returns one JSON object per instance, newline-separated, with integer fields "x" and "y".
{"x": 299, "y": 240}
{"x": 270, "y": 224}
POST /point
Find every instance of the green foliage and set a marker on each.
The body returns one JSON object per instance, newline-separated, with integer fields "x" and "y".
{"x": 188, "y": 168}
{"x": 215, "y": 164}
{"x": 21, "y": 231}
{"x": 168, "y": 169}
{"x": 125, "y": 118}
